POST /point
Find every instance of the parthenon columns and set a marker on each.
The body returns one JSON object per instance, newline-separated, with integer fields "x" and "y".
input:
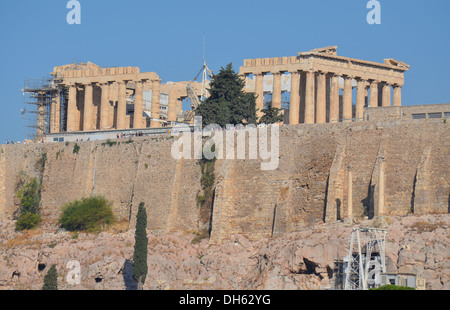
{"x": 88, "y": 108}
{"x": 321, "y": 98}
{"x": 334, "y": 99}
{"x": 347, "y": 99}
{"x": 373, "y": 103}
{"x": 397, "y": 96}
{"x": 259, "y": 91}
{"x": 154, "y": 122}
{"x": 276, "y": 95}
{"x": 122, "y": 105}
{"x": 172, "y": 114}
{"x": 104, "y": 119}
{"x": 138, "y": 105}
{"x": 386, "y": 100}
{"x": 309, "y": 97}
{"x": 72, "y": 108}
{"x": 360, "y": 99}
{"x": 294, "y": 110}
{"x": 315, "y": 96}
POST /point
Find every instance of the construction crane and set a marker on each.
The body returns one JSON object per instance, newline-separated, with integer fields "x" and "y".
{"x": 195, "y": 101}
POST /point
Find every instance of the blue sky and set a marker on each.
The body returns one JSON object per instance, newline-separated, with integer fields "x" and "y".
{"x": 166, "y": 37}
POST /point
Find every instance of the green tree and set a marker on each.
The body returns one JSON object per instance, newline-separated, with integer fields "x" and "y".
{"x": 228, "y": 103}
{"x": 140, "y": 267}
{"x": 51, "y": 279}
{"x": 271, "y": 115}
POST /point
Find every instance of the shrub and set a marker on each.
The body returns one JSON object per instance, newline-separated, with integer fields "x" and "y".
{"x": 76, "y": 148}
{"x": 392, "y": 287}
{"x": 27, "y": 221}
{"x": 30, "y": 197}
{"x": 90, "y": 214}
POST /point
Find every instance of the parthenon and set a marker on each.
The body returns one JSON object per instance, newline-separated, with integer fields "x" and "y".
{"x": 314, "y": 80}
{"x": 86, "y": 97}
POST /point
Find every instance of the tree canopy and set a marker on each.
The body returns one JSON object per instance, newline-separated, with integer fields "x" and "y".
{"x": 227, "y": 103}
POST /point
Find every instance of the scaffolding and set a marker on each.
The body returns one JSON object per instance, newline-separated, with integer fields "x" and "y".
{"x": 39, "y": 95}
{"x": 366, "y": 259}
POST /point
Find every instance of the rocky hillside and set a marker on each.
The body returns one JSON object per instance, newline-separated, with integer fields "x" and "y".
{"x": 183, "y": 260}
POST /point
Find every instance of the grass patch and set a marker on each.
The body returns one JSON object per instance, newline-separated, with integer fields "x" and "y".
{"x": 422, "y": 226}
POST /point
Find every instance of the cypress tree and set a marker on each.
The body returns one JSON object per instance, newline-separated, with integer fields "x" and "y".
{"x": 140, "y": 267}
{"x": 51, "y": 279}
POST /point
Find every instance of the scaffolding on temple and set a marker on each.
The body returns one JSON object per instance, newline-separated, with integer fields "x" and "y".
{"x": 40, "y": 98}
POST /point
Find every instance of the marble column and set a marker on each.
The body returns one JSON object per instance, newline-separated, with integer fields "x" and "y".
{"x": 104, "y": 104}
{"x": 55, "y": 121}
{"x": 154, "y": 121}
{"x": 122, "y": 105}
{"x": 309, "y": 98}
{"x": 360, "y": 99}
{"x": 321, "y": 115}
{"x": 72, "y": 108}
{"x": 373, "y": 101}
{"x": 397, "y": 96}
{"x": 386, "y": 101}
{"x": 276, "y": 92}
{"x": 347, "y": 99}
{"x": 138, "y": 105}
{"x": 294, "y": 107}
{"x": 172, "y": 113}
{"x": 334, "y": 99}
{"x": 88, "y": 108}
{"x": 259, "y": 92}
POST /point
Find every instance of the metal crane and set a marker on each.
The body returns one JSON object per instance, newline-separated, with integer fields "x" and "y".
{"x": 195, "y": 101}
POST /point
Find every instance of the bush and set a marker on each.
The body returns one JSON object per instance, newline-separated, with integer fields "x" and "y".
{"x": 30, "y": 197}
{"x": 90, "y": 215}
{"x": 27, "y": 221}
{"x": 76, "y": 148}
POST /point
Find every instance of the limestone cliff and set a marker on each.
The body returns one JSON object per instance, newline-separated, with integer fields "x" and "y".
{"x": 309, "y": 186}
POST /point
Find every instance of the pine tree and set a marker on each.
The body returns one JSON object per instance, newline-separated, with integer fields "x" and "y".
{"x": 140, "y": 267}
{"x": 51, "y": 279}
{"x": 228, "y": 103}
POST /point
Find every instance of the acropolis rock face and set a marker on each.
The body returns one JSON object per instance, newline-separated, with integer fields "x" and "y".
{"x": 310, "y": 187}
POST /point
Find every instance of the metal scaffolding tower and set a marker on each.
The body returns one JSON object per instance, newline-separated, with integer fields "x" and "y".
{"x": 39, "y": 94}
{"x": 367, "y": 260}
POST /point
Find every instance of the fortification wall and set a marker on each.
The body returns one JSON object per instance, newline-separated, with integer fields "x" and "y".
{"x": 310, "y": 184}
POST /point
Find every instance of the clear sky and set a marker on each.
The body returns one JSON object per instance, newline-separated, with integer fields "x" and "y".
{"x": 166, "y": 37}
